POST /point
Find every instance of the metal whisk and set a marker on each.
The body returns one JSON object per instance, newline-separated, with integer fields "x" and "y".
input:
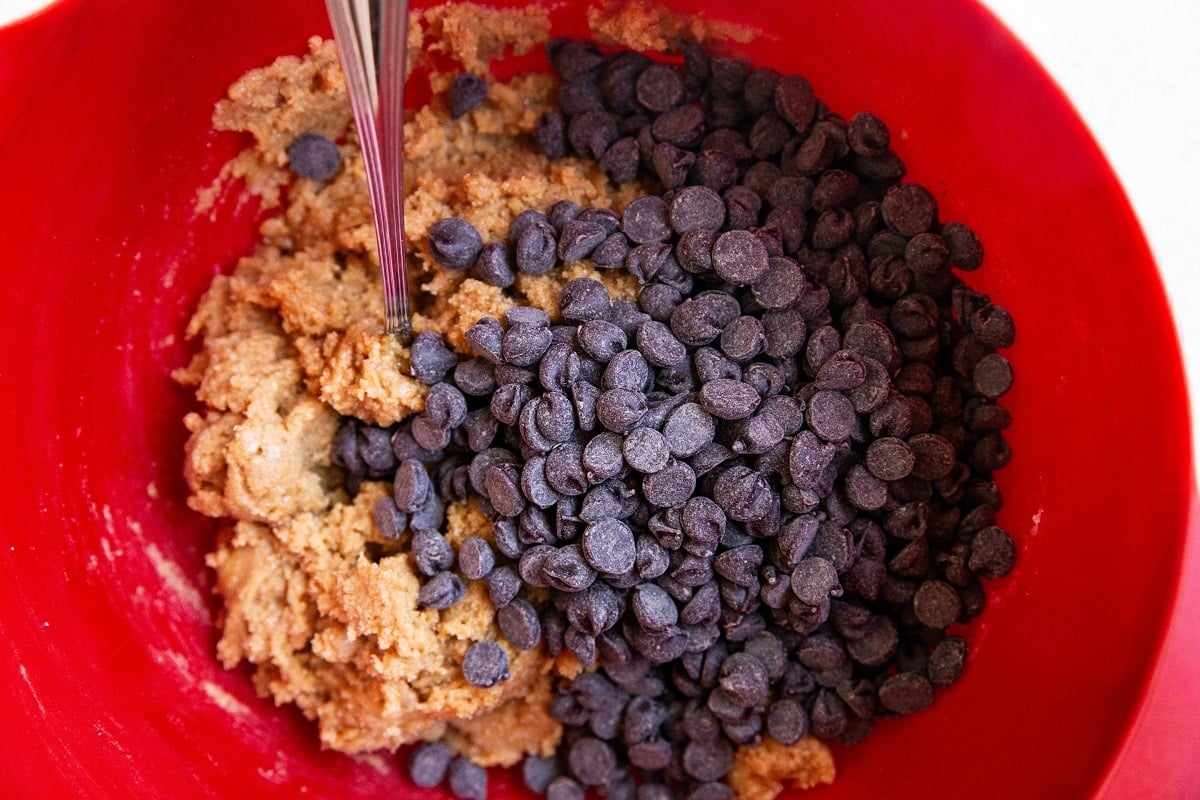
{"x": 371, "y": 37}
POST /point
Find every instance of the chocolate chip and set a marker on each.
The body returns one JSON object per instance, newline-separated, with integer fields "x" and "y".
{"x": 739, "y": 257}
{"x": 411, "y": 486}
{"x": 550, "y": 134}
{"x": 992, "y": 553}
{"x": 947, "y": 660}
{"x": 608, "y": 545}
{"x": 564, "y": 788}
{"x": 455, "y": 243}
{"x": 646, "y": 450}
{"x": 906, "y": 693}
{"x": 787, "y": 721}
{"x": 467, "y": 780}
{"x": 659, "y": 345}
{"x": 814, "y": 580}
{"x": 518, "y": 621}
{"x": 785, "y": 331}
{"x": 484, "y": 338}
{"x": 965, "y": 249}
{"x": 561, "y": 213}
{"x": 992, "y": 376}
{"x": 868, "y": 135}
{"x": 658, "y": 299}
{"x": 743, "y": 338}
{"x": 620, "y": 410}
{"x": 864, "y": 490}
{"x": 696, "y": 208}
{"x": 602, "y": 458}
{"x": 466, "y": 92}
{"x": 744, "y": 494}
{"x": 687, "y": 429}
{"x": 502, "y": 488}
{"x": 567, "y": 570}
{"x": 389, "y": 520}
{"x": 485, "y": 664}
{"x": 535, "y": 249}
{"x": 681, "y": 126}
{"x": 909, "y": 209}
{"x": 591, "y": 761}
{"x": 538, "y": 771}
{"x": 375, "y": 448}
{"x": 314, "y": 156}
{"x": 591, "y": 132}
{"x": 660, "y": 88}
{"x": 700, "y": 319}
{"x": 575, "y": 60}
{"x": 427, "y": 764}
{"x": 707, "y": 760}
{"x": 627, "y": 370}
{"x": 646, "y": 220}
{"x": 564, "y": 469}
{"x": 933, "y": 456}
{"x": 430, "y": 359}
{"x": 828, "y": 715}
{"x": 441, "y": 591}
{"x": 601, "y": 340}
{"x": 795, "y": 101}
{"x": 670, "y": 486}
{"x": 475, "y": 558}
{"x": 576, "y": 97}
{"x": 578, "y": 240}
{"x": 524, "y": 343}
{"x": 503, "y": 583}
{"x": 652, "y": 607}
{"x": 729, "y": 399}
{"x": 739, "y": 565}
{"x": 936, "y": 604}
{"x": 877, "y": 644}
{"x": 652, "y": 559}
{"x": 831, "y": 415}
{"x": 474, "y": 377}
{"x": 781, "y": 284}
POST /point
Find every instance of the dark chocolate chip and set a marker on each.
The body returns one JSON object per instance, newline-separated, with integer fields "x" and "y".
{"x": 428, "y": 762}
{"x": 314, "y": 156}
{"x": 485, "y": 664}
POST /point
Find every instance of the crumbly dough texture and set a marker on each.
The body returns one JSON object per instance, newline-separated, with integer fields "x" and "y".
{"x": 313, "y": 597}
{"x": 762, "y": 771}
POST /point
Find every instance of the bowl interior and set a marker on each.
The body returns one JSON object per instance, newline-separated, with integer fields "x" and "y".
{"x": 108, "y": 617}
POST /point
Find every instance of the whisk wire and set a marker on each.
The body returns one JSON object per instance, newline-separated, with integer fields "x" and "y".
{"x": 377, "y": 101}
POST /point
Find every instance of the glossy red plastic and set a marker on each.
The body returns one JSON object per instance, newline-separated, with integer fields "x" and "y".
{"x": 1079, "y": 685}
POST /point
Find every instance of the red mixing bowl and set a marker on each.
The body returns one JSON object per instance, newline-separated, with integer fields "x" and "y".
{"x": 1082, "y": 680}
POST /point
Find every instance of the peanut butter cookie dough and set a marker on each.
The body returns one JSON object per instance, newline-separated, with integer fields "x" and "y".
{"x": 314, "y": 597}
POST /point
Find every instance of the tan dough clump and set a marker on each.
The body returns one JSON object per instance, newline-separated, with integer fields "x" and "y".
{"x": 762, "y": 771}
{"x": 329, "y": 613}
{"x": 643, "y": 25}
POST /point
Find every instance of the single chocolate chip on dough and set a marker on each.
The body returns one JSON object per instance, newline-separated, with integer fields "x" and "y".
{"x": 314, "y": 156}
{"x": 485, "y": 664}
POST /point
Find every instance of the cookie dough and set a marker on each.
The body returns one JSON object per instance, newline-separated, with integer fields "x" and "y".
{"x": 313, "y": 597}
{"x": 762, "y": 771}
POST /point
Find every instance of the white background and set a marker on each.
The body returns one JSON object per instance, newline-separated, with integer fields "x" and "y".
{"x": 1133, "y": 71}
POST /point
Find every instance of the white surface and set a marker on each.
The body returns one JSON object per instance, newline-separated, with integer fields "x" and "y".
{"x": 1133, "y": 71}
{"x": 15, "y": 9}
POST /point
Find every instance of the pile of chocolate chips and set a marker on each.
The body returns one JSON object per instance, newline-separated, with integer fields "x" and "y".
{"x": 758, "y": 497}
